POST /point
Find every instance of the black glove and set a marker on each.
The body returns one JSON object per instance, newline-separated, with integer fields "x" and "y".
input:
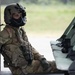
{"x": 27, "y": 54}
{"x": 44, "y": 64}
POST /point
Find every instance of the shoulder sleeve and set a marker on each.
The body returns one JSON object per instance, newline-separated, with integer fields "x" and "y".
{"x": 4, "y": 36}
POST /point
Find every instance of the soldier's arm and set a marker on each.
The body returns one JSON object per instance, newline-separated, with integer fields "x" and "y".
{"x": 4, "y": 37}
{"x": 36, "y": 54}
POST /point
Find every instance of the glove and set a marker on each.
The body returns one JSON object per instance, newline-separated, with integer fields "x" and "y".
{"x": 44, "y": 64}
{"x": 27, "y": 54}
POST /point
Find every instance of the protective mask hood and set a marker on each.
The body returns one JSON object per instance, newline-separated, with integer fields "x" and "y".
{"x": 17, "y": 22}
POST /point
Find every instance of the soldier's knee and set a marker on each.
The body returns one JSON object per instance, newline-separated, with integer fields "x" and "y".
{"x": 53, "y": 66}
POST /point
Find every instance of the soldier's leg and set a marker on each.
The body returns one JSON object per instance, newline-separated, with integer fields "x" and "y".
{"x": 53, "y": 66}
{"x": 51, "y": 69}
{"x": 36, "y": 67}
{"x": 16, "y": 71}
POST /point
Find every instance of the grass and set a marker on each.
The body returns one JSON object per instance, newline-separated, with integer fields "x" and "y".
{"x": 48, "y": 21}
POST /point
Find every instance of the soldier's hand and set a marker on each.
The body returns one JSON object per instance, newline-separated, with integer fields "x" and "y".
{"x": 29, "y": 57}
{"x": 44, "y": 64}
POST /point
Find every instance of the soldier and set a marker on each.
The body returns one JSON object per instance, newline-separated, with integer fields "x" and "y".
{"x": 14, "y": 42}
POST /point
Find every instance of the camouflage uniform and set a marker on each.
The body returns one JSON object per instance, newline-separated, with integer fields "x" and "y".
{"x": 12, "y": 38}
{"x": 15, "y": 45}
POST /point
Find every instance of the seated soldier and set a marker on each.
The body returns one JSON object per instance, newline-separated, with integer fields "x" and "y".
{"x": 14, "y": 42}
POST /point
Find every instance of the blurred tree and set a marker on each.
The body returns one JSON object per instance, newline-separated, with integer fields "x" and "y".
{"x": 38, "y": 1}
{"x": 45, "y": 2}
{"x": 67, "y": 1}
{"x": 34, "y": 1}
{"x": 3, "y": 2}
{"x": 31, "y": 1}
{"x": 72, "y": 1}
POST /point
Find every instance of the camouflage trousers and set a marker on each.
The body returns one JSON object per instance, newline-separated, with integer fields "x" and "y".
{"x": 35, "y": 67}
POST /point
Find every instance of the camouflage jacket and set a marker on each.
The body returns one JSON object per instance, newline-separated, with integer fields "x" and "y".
{"x": 11, "y": 40}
